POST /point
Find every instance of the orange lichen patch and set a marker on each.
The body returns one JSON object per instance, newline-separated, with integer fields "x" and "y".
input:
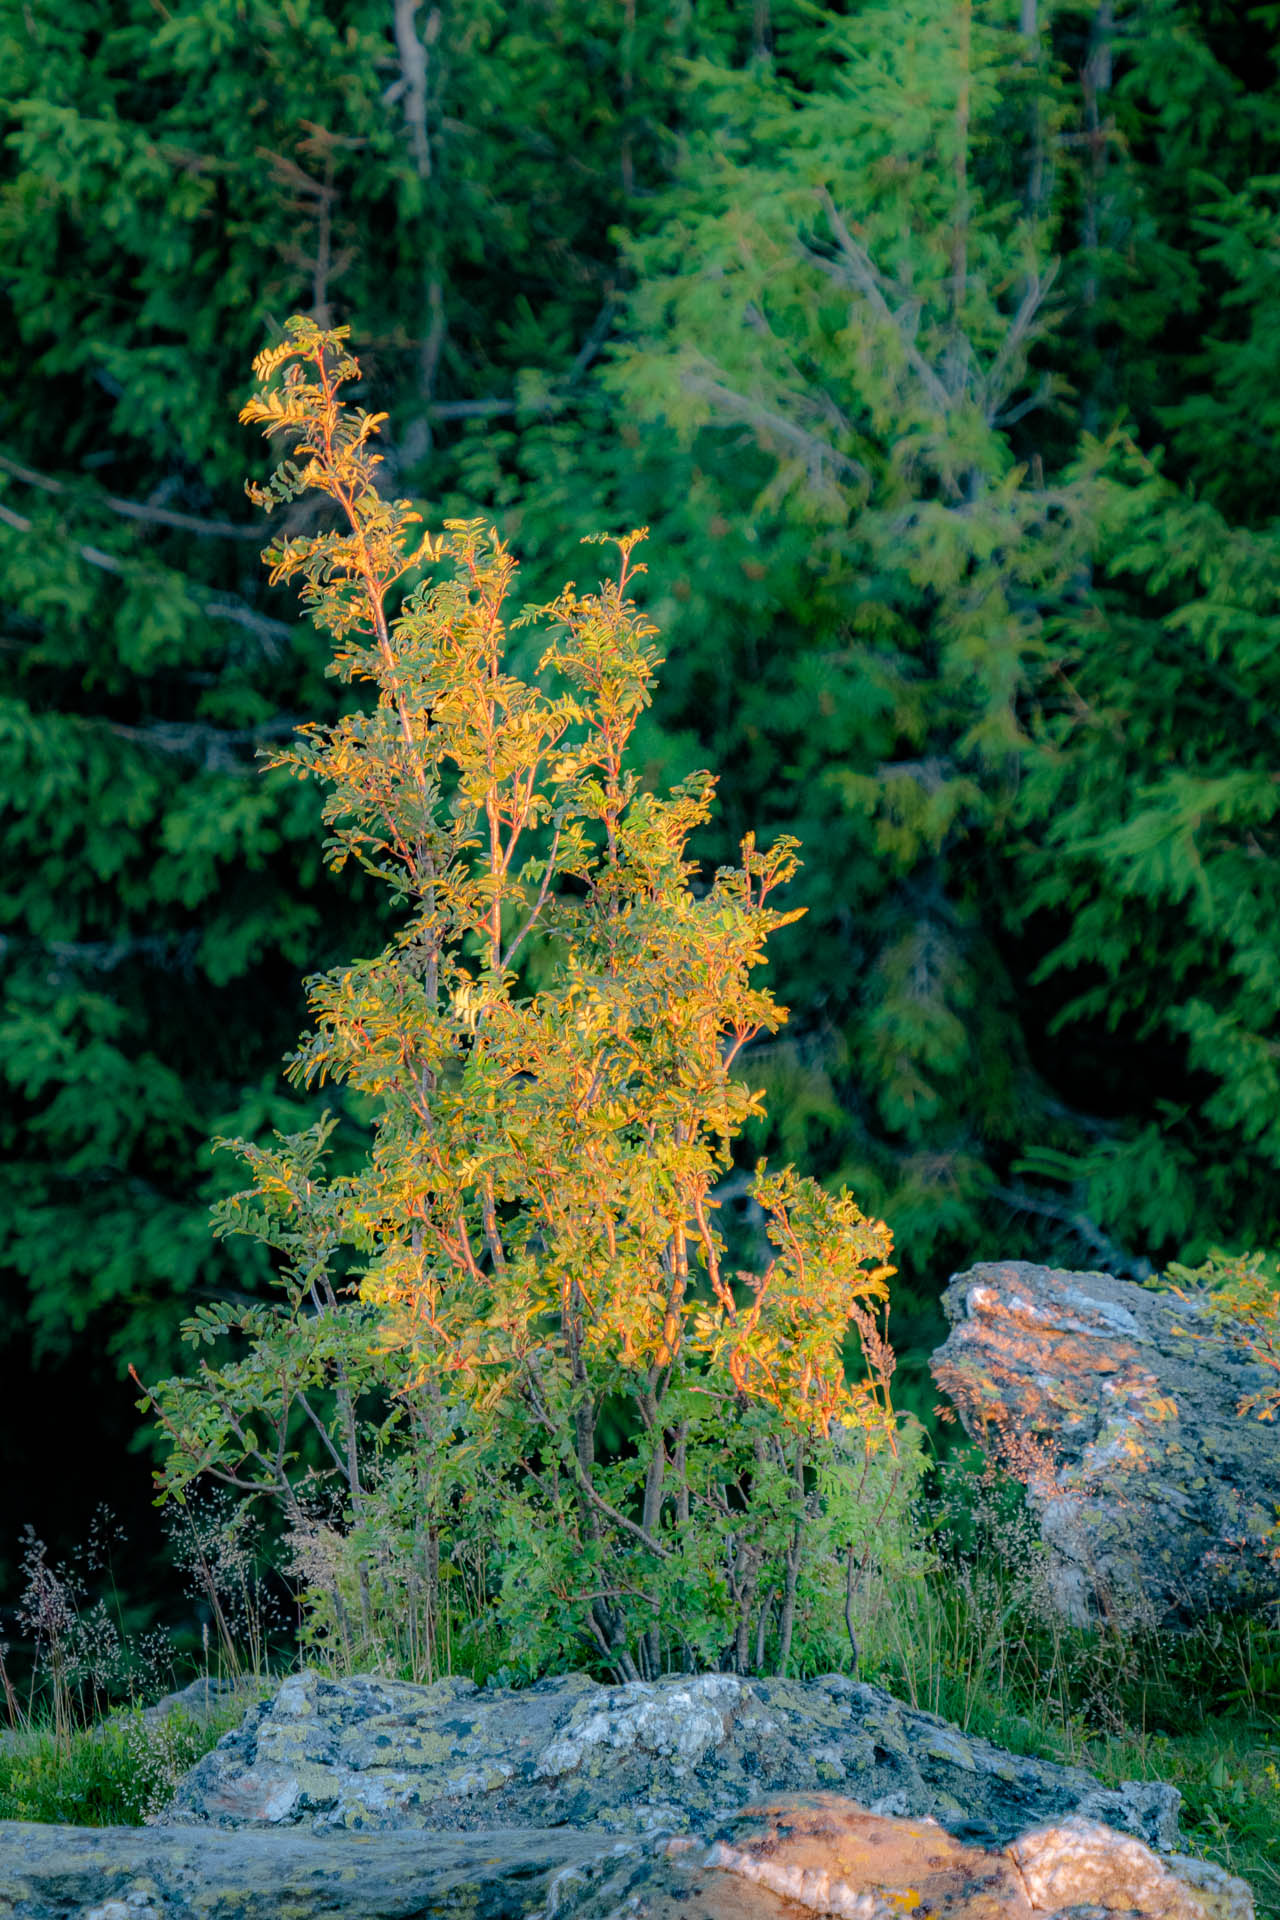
{"x": 827, "y": 1855}
{"x": 819, "y": 1854}
{"x": 1021, "y": 1350}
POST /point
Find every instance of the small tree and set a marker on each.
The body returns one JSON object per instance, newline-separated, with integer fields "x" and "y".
{"x": 664, "y": 1454}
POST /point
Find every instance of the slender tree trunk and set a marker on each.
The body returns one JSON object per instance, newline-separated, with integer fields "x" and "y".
{"x": 1030, "y": 27}
{"x": 795, "y": 1554}
{"x": 1096, "y": 87}
{"x": 654, "y": 1491}
{"x": 848, "y": 1610}
{"x": 762, "y": 1627}
{"x": 413, "y": 49}
{"x": 745, "y": 1578}
{"x": 960, "y": 165}
{"x": 628, "y": 80}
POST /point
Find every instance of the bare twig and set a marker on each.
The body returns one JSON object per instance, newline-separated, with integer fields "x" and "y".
{"x": 214, "y": 606}
{"x": 817, "y": 451}
{"x": 132, "y": 509}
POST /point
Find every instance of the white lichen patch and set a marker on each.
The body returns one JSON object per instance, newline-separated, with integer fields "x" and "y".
{"x": 678, "y": 1724}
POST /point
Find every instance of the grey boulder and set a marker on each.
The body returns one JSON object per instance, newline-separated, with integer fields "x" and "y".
{"x": 368, "y": 1755}
{"x": 1116, "y": 1405}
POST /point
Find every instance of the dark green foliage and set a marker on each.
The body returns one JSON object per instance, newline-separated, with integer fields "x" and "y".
{"x": 169, "y": 180}
{"x": 1009, "y": 679}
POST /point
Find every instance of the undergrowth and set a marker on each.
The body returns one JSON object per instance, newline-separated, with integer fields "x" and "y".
{"x": 81, "y": 1747}
{"x": 970, "y": 1634}
{"x": 119, "y": 1773}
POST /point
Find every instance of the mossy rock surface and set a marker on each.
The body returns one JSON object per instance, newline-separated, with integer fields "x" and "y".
{"x": 365, "y": 1755}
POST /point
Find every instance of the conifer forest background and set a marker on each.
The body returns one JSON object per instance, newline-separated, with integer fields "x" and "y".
{"x": 936, "y": 342}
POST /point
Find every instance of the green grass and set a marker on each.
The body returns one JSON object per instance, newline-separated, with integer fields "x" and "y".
{"x": 114, "y": 1774}
{"x": 1228, "y": 1774}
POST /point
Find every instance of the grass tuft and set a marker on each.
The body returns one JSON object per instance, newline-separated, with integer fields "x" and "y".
{"x": 120, "y": 1773}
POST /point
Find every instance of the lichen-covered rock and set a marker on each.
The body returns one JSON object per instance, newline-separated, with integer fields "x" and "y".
{"x": 209, "y": 1699}
{"x": 787, "y": 1859}
{"x": 1082, "y": 1864}
{"x": 823, "y": 1854}
{"x": 367, "y": 1754}
{"x": 150, "y": 1873}
{"x": 1152, "y": 1492}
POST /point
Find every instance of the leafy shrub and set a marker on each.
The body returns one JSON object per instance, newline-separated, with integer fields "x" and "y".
{"x": 1241, "y": 1295}
{"x": 544, "y": 1382}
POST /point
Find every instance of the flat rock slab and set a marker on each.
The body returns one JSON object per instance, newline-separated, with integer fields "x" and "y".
{"x": 365, "y": 1754}
{"x": 1117, "y": 1407}
{"x": 150, "y": 1873}
{"x": 791, "y": 1857}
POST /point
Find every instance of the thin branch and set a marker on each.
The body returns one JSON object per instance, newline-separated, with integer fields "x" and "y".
{"x": 325, "y": 1436}
{"x": 594, "y": 341}
{"x": 1033, "y": 299}
{"x": 132, "y": 509}
{"x": 474, "y": 409}
{"x": 271, "y": 632}
{"x": 489, "y": 1215}
{"x": 865, "y": 276}
{"x": 712, "y": 1258}
{"x": 213, "y": 606}
{"x": 490, "y": 407}
{"x": 94, "y": 555}
{"x": 818, "y": 452}
{"x": 1040, "y": 398}
{"x": 518, "y": 939}
{"x": 168, "y": 951}
{"x": 198, "y": 737}
{"x": 611, "y": 1513}
{"x": 583, "y": 1479}
{"x": 1118, "y": 1259}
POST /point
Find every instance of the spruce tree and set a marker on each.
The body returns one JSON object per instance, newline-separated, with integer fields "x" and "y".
{"x": 846, "y": 313}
